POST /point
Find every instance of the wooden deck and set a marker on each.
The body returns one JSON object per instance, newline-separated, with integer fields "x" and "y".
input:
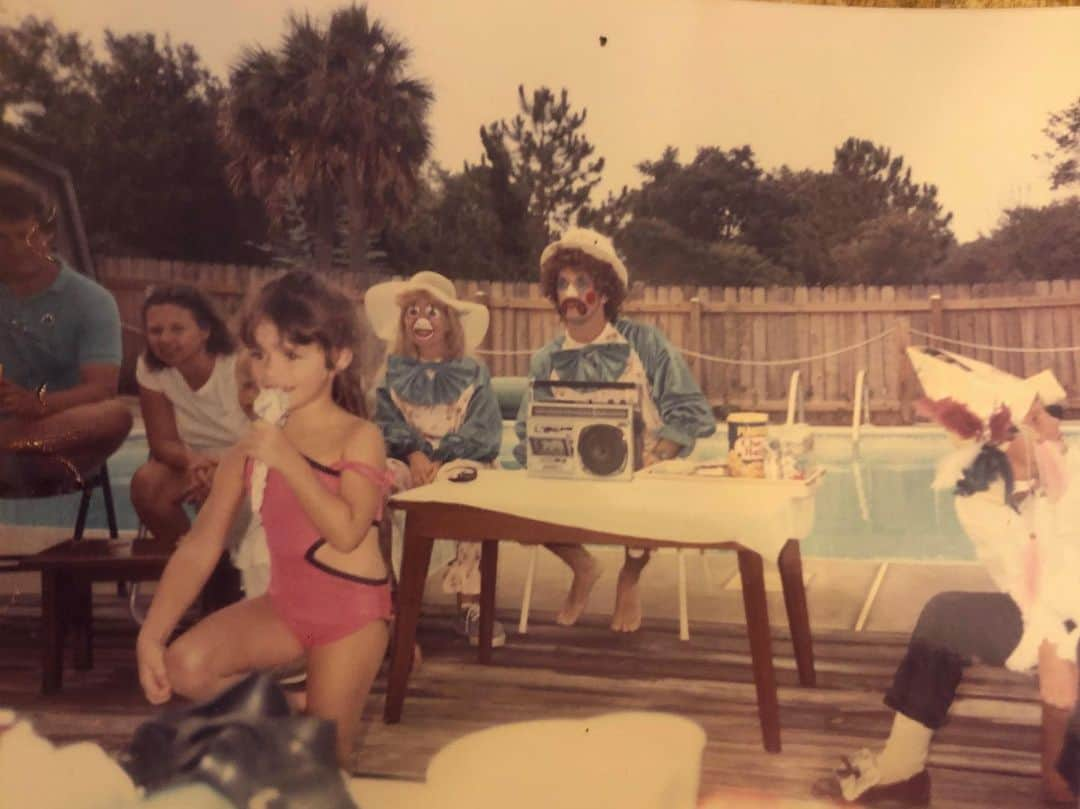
{"x": 987, "y": 755}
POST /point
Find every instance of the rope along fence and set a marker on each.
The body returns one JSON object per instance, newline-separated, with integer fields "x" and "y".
{"x": 984, "y": 347}
{"x": 729, "y": 360}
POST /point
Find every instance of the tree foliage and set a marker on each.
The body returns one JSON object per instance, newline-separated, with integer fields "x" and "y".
{"x": 1028, "y": 243}
{"x": 853, "y": 213}
{"x": 137, "y": 132}
{"x": 1063, "y": 128}
{"x": 660, "y": 253}
{"x": 330, "y": 119}
{"x": 550, "y": 159}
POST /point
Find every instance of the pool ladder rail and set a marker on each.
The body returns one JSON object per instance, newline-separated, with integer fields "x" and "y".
{"x": 796, "y": 400}
{"x": 860, "y": 416}
{"x": 861, "y": 413}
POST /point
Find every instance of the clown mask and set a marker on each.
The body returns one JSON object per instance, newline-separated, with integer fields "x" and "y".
{"x": 578, "y": 299}
{"x": 424, "y": 323}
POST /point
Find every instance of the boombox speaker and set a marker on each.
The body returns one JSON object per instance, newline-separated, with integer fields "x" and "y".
{"x": 592, "y": 434}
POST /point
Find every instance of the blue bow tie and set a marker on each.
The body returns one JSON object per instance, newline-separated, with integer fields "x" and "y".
{"x": 428, "y": 383}
{"x": 598, "y": 362}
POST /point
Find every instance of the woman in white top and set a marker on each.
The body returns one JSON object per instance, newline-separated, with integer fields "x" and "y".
{"x": 190, "y": 399}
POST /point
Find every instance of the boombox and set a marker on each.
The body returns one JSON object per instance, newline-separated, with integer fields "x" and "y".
{"x": 593, "y": 433}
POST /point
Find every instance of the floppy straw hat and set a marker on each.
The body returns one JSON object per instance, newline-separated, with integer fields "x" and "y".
{"x": 980, "y": 387}
{"x": 591, "y": 243}
{"x": 381, "y": 302}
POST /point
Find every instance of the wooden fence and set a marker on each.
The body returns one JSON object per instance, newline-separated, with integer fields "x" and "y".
{"x": 749, "y": 339}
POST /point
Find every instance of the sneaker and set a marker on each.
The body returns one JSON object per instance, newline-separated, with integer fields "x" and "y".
{"x": 858, "y": 781}
{"x": 468, "y": 625}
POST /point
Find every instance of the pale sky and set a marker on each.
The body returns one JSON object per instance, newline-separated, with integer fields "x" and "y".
{"x": 963, "y": 95}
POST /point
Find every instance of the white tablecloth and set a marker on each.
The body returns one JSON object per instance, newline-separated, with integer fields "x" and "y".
{"x": 760, "y": 514}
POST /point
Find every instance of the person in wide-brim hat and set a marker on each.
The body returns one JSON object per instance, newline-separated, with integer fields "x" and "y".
{"x": 436, "y": 406}
{"x": 981, "y": 388}
{"x": 383, "y": 304}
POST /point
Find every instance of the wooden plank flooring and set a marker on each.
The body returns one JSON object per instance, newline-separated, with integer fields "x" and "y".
{"x": 987, "y": 755}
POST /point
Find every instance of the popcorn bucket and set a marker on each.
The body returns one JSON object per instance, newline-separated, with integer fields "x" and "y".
{"x": 747, "y": 444}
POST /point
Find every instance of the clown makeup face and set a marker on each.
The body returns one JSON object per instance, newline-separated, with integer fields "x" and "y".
{"x": 578, "y": 300}
{"x": 424, "y": 322}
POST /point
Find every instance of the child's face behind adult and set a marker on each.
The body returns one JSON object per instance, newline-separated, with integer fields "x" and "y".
{"x": 174, "y": 335}
{"x": 247, "y": 389}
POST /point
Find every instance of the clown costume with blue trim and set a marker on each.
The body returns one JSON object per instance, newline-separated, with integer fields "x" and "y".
{"x": 435, "y": 404}
{"x": 586, "y": 280}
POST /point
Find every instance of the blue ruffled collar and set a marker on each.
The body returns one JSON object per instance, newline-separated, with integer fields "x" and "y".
{"x": 429, "y": 383}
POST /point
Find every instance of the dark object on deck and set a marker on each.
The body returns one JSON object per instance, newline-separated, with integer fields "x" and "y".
{"x": 246, "y": 744}
{"x": 1068, "y": 763}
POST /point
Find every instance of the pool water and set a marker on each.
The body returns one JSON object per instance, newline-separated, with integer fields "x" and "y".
{"x": 875, "y": 500}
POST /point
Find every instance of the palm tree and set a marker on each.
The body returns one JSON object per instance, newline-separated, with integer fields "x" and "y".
{"x": 331, "y": 118}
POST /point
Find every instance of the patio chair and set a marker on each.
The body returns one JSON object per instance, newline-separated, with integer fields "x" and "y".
{"x": 62, "y": 479}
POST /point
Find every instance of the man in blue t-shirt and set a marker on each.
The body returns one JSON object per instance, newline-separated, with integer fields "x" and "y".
{"x": 60, "y": 351}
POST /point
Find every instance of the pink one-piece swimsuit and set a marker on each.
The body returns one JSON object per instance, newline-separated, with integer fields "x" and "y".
{"x": 318, "y": 603}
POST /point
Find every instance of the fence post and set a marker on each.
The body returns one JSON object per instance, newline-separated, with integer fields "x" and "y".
{"x": 905, "y": 383}
{"x": 937, "y": 316}
{"x": 694, "y": 338}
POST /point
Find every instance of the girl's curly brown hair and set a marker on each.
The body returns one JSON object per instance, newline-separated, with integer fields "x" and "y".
{"x": 605, "y": 280}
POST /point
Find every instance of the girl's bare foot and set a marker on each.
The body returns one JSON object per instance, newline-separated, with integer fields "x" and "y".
{"x": 585, "y": 576}
{"x": 626, "y": 617}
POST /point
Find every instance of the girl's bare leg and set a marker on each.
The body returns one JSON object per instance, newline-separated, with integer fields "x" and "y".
{"x": 227, "y": 645}
{"x": 340, "y": 675}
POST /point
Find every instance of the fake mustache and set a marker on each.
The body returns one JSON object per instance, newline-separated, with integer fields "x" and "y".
{"x": 573, "y": 303}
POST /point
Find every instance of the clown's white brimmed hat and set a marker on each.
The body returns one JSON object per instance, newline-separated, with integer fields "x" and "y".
{"x": 591, "y": 243}
{"x": 383, "y": 307}
{"x": 981, "y": 388}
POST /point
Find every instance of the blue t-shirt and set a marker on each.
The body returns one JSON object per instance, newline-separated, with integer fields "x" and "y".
{"x": 48, "y": 337}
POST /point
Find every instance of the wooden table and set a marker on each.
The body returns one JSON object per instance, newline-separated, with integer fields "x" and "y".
{"x": 487, "y": 514}
{"x": 68, "y": 571}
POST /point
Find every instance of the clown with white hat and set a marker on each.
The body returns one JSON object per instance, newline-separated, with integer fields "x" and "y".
{"x": 1008, "y": 476}
{"x": 586, "y": 281}
{"x": 435, "y": 405}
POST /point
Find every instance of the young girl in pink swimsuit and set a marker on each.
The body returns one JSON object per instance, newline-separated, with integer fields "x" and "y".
{"x": 326, "y": 485}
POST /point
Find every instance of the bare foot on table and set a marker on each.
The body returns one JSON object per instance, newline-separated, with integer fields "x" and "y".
{"x": 578, "y": 597}
{"x": 626, "y": 617}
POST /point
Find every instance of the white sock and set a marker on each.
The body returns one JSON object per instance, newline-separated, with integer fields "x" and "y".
{"x": 905, "y": 751}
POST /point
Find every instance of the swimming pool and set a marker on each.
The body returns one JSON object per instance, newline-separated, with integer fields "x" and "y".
{"x": 874, "y": 503}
